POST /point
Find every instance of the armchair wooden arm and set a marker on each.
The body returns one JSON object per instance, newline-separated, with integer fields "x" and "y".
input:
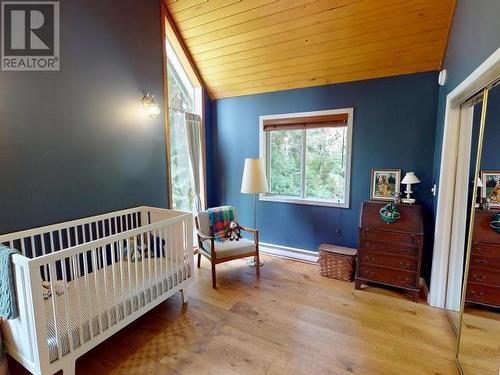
{"x": 248, "y": 229}
{"x": 203, "y": 237}
{"x": 255, "y": 234}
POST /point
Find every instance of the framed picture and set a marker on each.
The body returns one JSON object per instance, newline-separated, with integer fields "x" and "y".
{"x": 385, "y": 183}
{"x": 491, "y": 187}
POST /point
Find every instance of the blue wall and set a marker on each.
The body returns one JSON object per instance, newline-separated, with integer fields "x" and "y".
{"x": 76, "y": 142}
{"x": 394, "y": 127}
{"x": 491, "y": 143}
{"x": 475, "y": 35}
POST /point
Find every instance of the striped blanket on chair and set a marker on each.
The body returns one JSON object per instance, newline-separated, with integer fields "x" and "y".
{"x": 220, "y": 217}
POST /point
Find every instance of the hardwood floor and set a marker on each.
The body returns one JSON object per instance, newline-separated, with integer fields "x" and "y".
{"x": 291, "y": 321}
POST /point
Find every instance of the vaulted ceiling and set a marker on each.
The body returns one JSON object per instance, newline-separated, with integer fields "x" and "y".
{"x": 243, "y": 47}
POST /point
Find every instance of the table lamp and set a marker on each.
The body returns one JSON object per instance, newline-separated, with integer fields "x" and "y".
{"x": 409, "y": 180}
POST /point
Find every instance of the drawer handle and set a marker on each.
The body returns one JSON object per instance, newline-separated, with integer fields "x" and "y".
{"x": 370, "y": 259}
{"x": 481, "y": 250}
{"x": 482, "y": 261}
{"x": 401, "y": 278}
{"x": 480, "y": 293}
{"x": 403, "y": 250}
{"x": 477, "y": 278}
{"x": 370, "y": 273}
{"x": 405, "y": 265}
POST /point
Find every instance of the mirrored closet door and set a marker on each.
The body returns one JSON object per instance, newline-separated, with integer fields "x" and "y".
{"x": 477, "y": 264}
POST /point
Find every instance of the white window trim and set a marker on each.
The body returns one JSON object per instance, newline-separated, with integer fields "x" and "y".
{"x": 263, "y": 151}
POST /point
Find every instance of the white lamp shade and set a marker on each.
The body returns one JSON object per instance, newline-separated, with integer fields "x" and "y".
{"x": 479, "y": 182}
{"x": 410, "y": 179}
{"x": 254, "y": 177}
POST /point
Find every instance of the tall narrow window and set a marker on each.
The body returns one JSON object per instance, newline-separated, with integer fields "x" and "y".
{"x": 185, "y": 127}
{"x": 308, "y": 157}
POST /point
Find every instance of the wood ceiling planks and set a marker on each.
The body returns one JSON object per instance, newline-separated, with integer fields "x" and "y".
{"x": 243, "y": 47}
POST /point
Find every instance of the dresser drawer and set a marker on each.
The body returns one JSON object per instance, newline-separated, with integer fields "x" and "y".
{"x": 483, "y": 294}
{"x": 486, "y": 262}
{"x": 393, "y": 237}
{"x": 388, "y": 247}
{"x": 388, "y": 260}
{"x": 484, "y": 276}
{"x": 485, "y": 249}
{"x": 388, "y": 276}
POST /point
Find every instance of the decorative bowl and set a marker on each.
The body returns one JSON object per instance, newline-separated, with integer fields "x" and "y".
{"x": 495, "y": 225}
{"x": 389, "y": 214}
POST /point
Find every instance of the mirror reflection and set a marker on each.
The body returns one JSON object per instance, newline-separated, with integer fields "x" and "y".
{"x": 479, "y": 330}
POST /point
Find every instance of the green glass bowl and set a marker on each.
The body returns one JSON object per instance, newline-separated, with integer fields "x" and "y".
{"x": 389, "y": 219}
{"x": 495, "y": 225}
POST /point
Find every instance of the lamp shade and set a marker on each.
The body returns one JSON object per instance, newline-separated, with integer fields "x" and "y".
{"x": 254, "y": 177}
{"x": 410, "y": 179}
{"x": 479, "y": 182}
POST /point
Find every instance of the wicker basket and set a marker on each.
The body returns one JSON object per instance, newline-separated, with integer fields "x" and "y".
{"x": 337, "y": 262}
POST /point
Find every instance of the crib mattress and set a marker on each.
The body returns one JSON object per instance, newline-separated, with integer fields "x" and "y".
{"x": 92, "y": 304}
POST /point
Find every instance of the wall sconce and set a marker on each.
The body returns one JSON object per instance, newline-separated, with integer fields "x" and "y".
{"x": 152, "y": 108}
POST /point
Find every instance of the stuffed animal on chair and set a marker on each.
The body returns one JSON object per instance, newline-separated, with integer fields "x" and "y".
{"x": 233, "y": 231}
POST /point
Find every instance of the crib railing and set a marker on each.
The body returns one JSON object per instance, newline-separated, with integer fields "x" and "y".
{"x": 112, "y": 269}
{"x": 44, "y": 240}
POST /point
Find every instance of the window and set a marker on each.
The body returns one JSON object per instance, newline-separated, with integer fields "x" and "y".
{"x": 185, "y": 137}
{"x": 308, "y": 157}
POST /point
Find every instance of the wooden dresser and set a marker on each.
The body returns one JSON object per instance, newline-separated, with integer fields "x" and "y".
{"x": 390, "y": 254}
{"x": 483, "y": 285}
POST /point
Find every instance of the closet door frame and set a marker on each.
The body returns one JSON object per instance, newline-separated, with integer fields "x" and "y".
{"x": 485, "y": 74}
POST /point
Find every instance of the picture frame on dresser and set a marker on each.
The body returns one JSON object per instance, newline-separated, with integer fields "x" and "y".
{"x": 491, "y": 187}
{"x": 385, "y": 183}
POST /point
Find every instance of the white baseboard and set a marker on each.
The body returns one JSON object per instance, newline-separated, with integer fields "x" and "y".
{"x": 288, "y": 252}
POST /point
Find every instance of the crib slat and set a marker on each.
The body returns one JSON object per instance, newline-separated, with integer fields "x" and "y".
{"x": 162, "y": 255}
{"x": 52, "y": 277}
{"x": 129, "y": 274}
{"x": 44, "y": 270}
{"x": 150, "y": 257}
{"x": 122, "y": 279}
{"x": 136, "y": 271}
{"x": 168, "y": 257}
{"x": 179, "y": 251}
{"x": 143, "y": 266}
{"x": 66, "y": 302}
{"x": 95, "y": 271}
{"x": 106, "y": 290}
{"x": 176, "y": 249}
{"x": 155, "y": 248}
{"x": 86, "y": 279}
{"x": 23, "y": 247}
{"x": 113, "y": 264}
{"x": 76, "y": 284}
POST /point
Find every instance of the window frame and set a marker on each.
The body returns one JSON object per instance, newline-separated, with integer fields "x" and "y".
{"x": 170, "y": 33}
{"x": 264, "y": 151}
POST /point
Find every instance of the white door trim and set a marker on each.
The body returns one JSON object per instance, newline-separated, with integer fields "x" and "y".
{"x": 485, "y": 74}
{"x": 459, "y": 218}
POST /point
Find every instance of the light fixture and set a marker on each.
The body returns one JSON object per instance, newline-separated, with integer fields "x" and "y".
{"x": 409, "y": 180}
{"x": 152, "y": 108}
{"x": 254, "y": 182}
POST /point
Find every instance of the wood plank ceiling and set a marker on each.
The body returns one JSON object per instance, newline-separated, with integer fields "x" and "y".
{"x": 243, "y": 47}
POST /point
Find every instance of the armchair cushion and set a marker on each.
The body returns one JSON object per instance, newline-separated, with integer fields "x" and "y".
{"x": 228, "y": 248}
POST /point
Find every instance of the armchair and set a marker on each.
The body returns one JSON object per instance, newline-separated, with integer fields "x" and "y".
{"x": 219, "y": 252}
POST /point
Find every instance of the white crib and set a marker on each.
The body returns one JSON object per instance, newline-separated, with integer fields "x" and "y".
{"x": 104, "y": 287}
